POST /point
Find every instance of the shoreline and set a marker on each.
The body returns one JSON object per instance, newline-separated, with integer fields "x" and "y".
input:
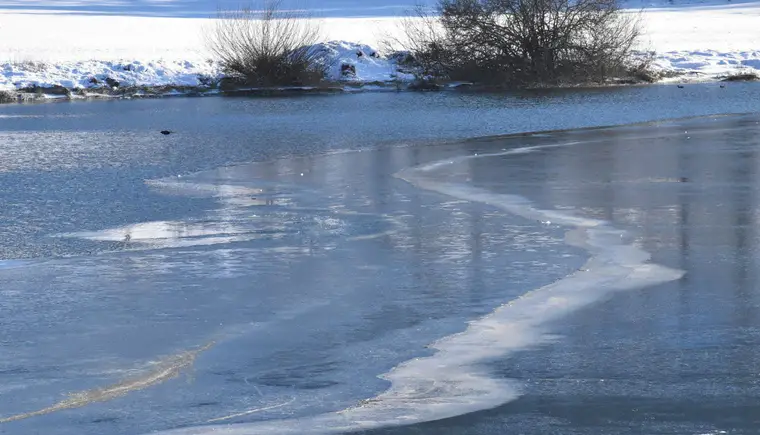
{"x": 101, "y": 56}
{"x": 58, "y": 93}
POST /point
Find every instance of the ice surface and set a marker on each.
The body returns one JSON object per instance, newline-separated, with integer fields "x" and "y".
{"x": 452, "y": 382}
{"x": 158, "y": 373}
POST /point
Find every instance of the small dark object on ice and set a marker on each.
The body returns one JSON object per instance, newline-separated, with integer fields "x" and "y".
{"x": 680, "y": 86}
{"x": 165, "y": 132}
{"x": 722, "y": 86}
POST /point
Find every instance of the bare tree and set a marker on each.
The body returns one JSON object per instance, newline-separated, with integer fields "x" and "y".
{"x": 268, "y": 46}
{"x": 421, "y": 43}
{"x": 523, "y": 42}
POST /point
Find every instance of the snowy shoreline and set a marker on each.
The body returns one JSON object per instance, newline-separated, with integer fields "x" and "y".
{"x": 140, "y": 79}
{"x": 42, "y": 57}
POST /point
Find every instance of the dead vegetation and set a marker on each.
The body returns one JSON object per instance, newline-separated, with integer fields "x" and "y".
{"x": 267, "y": 46}
{"x": 523, "y": 43}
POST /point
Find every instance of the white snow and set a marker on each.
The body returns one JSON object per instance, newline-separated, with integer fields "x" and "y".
{"x": 88, "y": 74}
{"x": 369, "y": 64}
{"x": 43, "y": 42}
{"x": 709, "y": 63}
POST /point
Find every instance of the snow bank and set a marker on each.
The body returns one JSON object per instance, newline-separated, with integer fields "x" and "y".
{"x": 366, "y": 62}
{"x": 709, "y": 63}
{"x": 95, "y": 74}
{"x": 366, "y": 65}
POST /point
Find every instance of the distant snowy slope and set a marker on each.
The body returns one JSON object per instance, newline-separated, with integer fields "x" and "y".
{"x": 64, "y": 37}
{"x": 729, "y": 28}
{"x": 708, "y": 37}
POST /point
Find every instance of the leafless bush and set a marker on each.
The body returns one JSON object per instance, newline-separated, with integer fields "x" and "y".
{"x": 641, "y": 67}
{"x": 423, "y": 44}
{"x": 32, "y": 66}
{"x": 268, "y": 46}
{"x": 742, "y": 75}
{"x": 525, "y": 42}
{"x": 7, "y": 97}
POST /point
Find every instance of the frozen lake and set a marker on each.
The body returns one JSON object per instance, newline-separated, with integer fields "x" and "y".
{"x": 270, "y": 263}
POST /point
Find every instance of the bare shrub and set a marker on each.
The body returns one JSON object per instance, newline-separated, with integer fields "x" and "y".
{"x": 742, "y": 75}
{"x": 8, "y": 97}
{"x": 268, "y": 46}
{"x": 640, "y": 67}
{"x": 422, "y": 43}
{"x": 525, "y": 42}
{"x": 32, "y": 66}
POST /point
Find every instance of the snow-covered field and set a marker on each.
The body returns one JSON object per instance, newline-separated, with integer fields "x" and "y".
{"x": 712, "y": 38}
{"x": 43, "y": 42}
